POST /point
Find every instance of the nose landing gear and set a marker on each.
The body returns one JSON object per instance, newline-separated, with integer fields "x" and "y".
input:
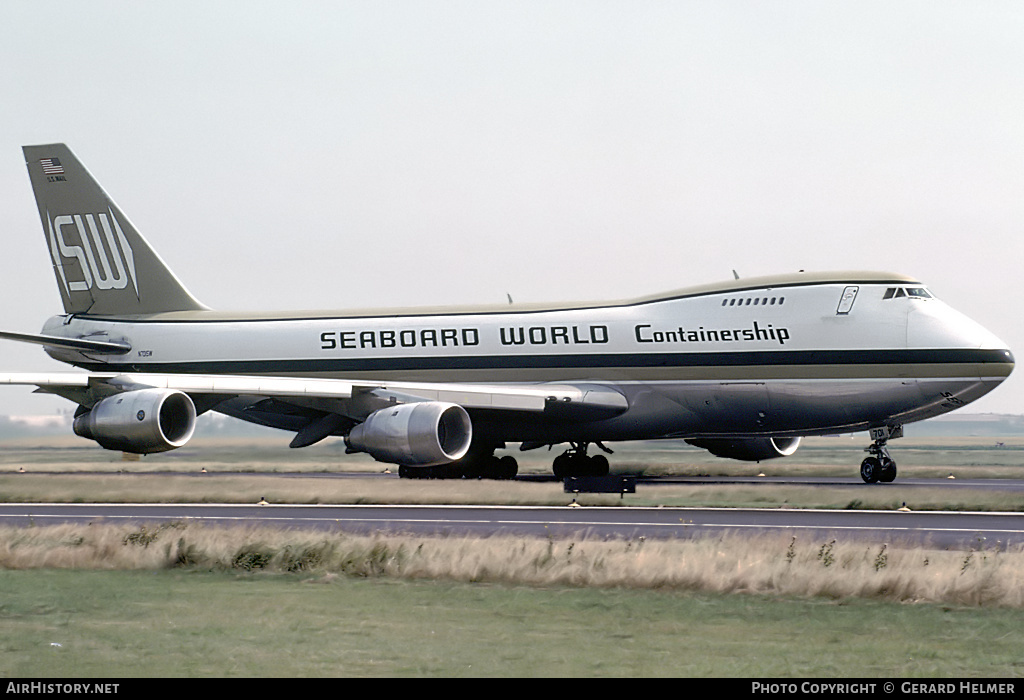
{"x": 879, "y": 466}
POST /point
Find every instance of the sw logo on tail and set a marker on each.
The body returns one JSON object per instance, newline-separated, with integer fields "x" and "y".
{"x": 93, "y": 256}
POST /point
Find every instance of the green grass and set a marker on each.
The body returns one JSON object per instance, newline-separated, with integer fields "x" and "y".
{"x": 215, "y": 624}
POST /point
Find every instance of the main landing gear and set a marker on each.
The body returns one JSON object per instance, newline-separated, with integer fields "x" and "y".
{"x": 879, "y": 466}
{"x": 478, "y": 464}
{"x": 575, "y": 462}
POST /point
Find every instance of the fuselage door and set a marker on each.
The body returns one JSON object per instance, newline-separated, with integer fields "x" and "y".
{"x": 846, "y": 301}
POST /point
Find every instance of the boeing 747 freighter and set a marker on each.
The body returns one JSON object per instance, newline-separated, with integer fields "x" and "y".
{"x": 743, "y": 368}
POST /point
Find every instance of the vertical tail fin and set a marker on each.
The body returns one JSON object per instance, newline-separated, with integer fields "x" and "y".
{"x": 103, "y": 265}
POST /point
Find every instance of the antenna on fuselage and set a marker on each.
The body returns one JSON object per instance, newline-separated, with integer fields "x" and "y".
{"x": 735, "y": 274}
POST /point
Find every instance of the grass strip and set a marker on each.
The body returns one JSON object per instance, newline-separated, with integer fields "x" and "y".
{"x": 765, "y": 565}
{"x": 213, "y": 488}
{"x": 107, "y": 601}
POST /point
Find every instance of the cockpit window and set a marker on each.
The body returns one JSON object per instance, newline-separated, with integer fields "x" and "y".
{"x": 912, "y": 292}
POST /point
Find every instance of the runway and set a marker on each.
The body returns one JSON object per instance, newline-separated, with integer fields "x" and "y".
{"x": 853, "y": 482}
{"x": 940, "y": 529}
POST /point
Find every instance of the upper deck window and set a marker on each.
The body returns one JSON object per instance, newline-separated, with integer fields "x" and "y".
{"x": 756, "y": 301}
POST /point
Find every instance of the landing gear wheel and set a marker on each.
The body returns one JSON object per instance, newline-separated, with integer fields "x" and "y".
{"x": 474, "y": 469}
{"x": 870, "y": 470}
{"x": 888, "y": 472}
{"x": 562, "y": 466}
{"x": 575, "y": 462}
{"x": 479, "y": 463}
{"x": 880, "y": 467}
{"x": 507, "y": 468}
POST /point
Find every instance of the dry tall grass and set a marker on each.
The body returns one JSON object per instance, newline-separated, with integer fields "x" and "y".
{"x": 769, "y": 565}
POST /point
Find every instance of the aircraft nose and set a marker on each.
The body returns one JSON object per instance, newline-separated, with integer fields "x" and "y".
{"x": 935, "y": 326}
{"x": 1001, "y": 363}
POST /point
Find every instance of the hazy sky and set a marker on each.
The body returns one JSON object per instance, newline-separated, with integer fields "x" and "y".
{"x": 348, "y": 154}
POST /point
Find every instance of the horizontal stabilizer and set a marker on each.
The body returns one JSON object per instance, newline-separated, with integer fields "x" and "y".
{"x": 103, "y": 347}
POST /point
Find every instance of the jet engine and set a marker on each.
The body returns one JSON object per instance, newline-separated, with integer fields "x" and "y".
{"x": 422, "y": 434}
{"x": 142, "y": 421}
{"x": 748, "y": 449}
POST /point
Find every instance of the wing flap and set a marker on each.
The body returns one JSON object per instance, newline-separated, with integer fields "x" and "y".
{"x": 45, "y": 380}
{"x": 235, "y": 385}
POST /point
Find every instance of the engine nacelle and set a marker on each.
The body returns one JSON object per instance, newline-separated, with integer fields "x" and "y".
{"x": 414, "y": 434}
{"x": 748, "y": 449}
{"x": 142, "y": 421}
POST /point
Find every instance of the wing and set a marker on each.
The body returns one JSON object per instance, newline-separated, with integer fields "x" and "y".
{"x": 316, "y": 408}
{"x": 584, "y": 400}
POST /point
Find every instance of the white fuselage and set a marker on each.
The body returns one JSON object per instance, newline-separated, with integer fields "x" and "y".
{"x": 781, "y": 356}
